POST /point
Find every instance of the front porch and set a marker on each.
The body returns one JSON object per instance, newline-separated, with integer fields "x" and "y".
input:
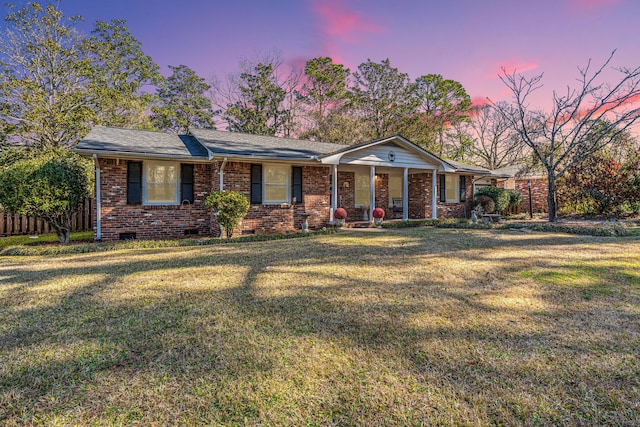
{"x": 403, "y": 193}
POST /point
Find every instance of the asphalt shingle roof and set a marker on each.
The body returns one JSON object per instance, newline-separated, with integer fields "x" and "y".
{"x": 141, "y": 143}
{"x": 259, "y": 146}
{"x": 520, "y": 171}
{"x": 468, "y": 168}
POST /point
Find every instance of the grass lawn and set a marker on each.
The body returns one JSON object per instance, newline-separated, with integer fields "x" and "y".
{"x": 393, "y": 327}
{"x": 5, "y": 242}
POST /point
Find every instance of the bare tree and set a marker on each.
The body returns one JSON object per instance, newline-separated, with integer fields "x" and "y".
{"x": 494, "y": 143}
{"x": 582, "y": 120}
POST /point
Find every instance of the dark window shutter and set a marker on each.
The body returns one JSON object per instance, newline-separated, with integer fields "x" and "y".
{"x": 134, "y": 183}
{"x": 463, "y": 188}
{"x": 443, "y": 188}
{"x": 256, "y": 183}
{"x": 186, "y": 183}
{"x": 296, "y": 184}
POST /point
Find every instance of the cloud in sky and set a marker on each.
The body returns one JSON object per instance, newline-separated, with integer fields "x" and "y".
{"x": 511, "y": 67}
{"x": 340, "y": 25}
{"x": 479, "y": 101}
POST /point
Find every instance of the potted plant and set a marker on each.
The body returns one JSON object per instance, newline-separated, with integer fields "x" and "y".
{"x": 378, "y": 216}
{"x": 339, "y": 215}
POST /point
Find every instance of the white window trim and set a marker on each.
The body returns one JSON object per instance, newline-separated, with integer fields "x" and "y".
{"x": 264, "y": 184}
{"x": 145, "y": 183}
{"x": 355, "y": 189}
{"x": 457, "y": 181}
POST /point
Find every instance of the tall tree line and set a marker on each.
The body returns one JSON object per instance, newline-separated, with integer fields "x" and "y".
{"x": 328, "y": 102}
{"x": 56, "y": 81}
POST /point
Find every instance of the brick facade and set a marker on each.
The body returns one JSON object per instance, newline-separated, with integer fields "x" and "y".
{"x": 162, "y": 222}
{"x": 420, "y": 195}
{"x": 539, "y": 193}
{"x": 458, "y": 209}
{"x": 150, "y": 222}
{"x": 280, "y": 218}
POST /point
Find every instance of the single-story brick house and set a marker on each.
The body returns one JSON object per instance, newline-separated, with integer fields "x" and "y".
{"x": 154, "y": 184}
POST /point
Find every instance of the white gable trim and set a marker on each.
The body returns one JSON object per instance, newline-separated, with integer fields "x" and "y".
{"x": 431, "y": 161}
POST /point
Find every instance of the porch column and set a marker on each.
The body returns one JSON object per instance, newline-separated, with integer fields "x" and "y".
{"x": 334, "y": 192}
{"x": 434, "y": 200}
{"x": 405, "y": 195}
{"x": 372, "y": 192}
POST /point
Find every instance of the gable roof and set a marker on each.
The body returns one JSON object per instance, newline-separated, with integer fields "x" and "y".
{"x": 140, "y": 143}
{"x": 234, "y": 144}
{"x": 205, "y": 144}
{"x": 399, "y": 140}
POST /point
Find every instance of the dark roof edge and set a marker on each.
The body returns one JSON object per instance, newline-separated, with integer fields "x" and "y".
{"x": 134, "y": 154}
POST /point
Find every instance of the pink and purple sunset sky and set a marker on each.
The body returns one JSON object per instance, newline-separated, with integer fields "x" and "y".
{"x": 464, "y": 40}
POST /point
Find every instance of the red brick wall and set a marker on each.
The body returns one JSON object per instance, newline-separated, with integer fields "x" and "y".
{"x": 261, "y": 219}
{"x": 455, "y": 210}
{"x": 316, "y": 193}
{"x": 347, "y": 195}
{"x": 153, "y": 222}
{"x": 539, "y": 192}
{"x": 382, "y": 194}
{"x": 419, "y": 195}
{"x": 150, "y": 222}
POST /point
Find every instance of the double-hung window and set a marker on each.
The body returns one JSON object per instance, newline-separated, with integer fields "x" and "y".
{"x": 276, "y": 184}
{"x": 161, "y": 183}
{"x": 449, "y": 188}
{"x": 363, "y": 190}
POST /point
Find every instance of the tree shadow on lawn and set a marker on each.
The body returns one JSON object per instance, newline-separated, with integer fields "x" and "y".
{"x": 438, "y": 330}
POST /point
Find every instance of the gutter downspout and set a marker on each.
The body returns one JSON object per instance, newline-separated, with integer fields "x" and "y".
{"x": 224, "y": 162}
{"x": 98, "y": 200}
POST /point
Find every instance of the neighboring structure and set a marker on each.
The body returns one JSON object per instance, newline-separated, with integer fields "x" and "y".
{"x": 154, "y": 184}
{"x": 521, "y": 178}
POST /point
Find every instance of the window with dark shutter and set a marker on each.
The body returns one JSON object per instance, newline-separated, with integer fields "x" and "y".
{"x": 256, "y": 183}
{"x": 463, "y": 188}
{"x": 296, "y": 184}
{"x": 443, "y": 188}
{"x": 134, "y": 183}
{"x": 186, "y": 183}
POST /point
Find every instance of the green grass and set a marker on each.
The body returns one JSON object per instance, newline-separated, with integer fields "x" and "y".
{"x": 420, "y": 326}
{"x": 6, "y": 242}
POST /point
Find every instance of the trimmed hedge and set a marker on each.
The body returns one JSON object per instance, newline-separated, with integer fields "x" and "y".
{"x": 500, "y": 196}
{"x": 487, "y": 204}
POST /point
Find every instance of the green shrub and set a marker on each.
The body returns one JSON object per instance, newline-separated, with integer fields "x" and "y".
{"x": 500, "y": 196}
{"x": 607, "y": 230}
{"x": 486, "y": 202}
{"x": 229, "y": 207}
{"x": 51, "y": 185}
{"x": 515, "y": 198}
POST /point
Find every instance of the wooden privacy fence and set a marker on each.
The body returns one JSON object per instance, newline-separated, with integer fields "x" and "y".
{"x": 14, "y": 224}
{"x": 511, "y": 210}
